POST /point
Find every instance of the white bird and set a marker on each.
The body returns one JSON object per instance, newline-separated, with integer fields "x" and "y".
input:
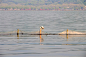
{"x": 41, "y": 29}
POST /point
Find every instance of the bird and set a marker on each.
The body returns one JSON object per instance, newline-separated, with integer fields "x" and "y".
{"x": 41, "y": 29}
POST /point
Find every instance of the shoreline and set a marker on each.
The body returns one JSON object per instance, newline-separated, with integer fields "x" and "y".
{"x": 42, "y": 10}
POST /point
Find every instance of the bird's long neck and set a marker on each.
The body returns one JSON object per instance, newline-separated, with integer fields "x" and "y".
{"x": 40, "y": 31}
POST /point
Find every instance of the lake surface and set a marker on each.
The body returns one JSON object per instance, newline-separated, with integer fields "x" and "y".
{"x": 47, "y": 45}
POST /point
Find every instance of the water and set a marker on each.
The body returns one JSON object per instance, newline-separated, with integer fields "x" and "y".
{"x": 49, "y": 45}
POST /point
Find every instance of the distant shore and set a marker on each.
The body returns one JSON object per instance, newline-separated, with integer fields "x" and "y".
{"x": 42, "y": 10}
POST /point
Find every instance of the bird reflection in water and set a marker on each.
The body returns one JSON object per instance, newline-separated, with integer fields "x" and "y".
{"x": 17, "y": 37}
{"x": 41, "y": 39}
{"x": 67, "y": 37}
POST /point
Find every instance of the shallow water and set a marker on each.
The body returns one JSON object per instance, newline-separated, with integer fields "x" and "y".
{"x": 47, "y": 45}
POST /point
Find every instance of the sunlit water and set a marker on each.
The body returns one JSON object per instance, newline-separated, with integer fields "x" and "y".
{"x": 48, "y": 45}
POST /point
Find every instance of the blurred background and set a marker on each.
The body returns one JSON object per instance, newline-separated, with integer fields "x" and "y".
{"x": 55, "y": 5}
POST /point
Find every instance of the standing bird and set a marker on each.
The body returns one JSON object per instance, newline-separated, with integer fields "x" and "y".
{"x": 41, "y": 29}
